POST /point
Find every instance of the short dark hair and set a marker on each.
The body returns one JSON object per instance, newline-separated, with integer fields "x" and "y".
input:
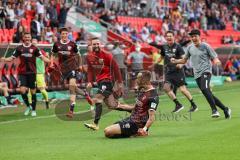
{"x": 25, "y": 33}
{"x": 195, "y": 32}
{"x": 170, "y": 31}
{"x": 94, "y": 38}
{"x": 63, "y": 29}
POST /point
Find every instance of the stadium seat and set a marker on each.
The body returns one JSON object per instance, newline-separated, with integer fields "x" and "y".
{"x": 13, "y": 76}
{"x": 5, "y": 76}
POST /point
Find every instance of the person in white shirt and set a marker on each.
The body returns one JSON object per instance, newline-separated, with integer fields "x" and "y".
{"x": 10, "y": 16}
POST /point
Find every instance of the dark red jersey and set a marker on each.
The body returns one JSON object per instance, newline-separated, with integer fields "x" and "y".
{"x": 103, "y": 66}
{"x": 145, "y": 101}
{"x": 27, "y": 56}
{"x": 67, "y": 54}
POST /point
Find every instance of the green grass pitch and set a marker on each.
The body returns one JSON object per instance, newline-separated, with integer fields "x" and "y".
{"x": 178, "y": 137}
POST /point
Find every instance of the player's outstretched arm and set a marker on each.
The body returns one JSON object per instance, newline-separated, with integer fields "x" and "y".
{"x": 126, "y": 106}
{"x": 144, "y": 131}
{"x": 9, "y": 59}
{"x": 151, "y": 118}
{"x": 179, "y": 61}
{"x": 45, "y": 59}
{"x": 216, "y": 61}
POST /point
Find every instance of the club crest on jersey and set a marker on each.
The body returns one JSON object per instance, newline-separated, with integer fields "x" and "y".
{"x": 31, "y": 50}
{"x": 100, "y": 61}
{"x": 69, "y": 48}
{"x": 174, "y": 49}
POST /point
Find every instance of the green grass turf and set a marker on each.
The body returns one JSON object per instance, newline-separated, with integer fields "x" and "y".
{"x": 183, "y": 137}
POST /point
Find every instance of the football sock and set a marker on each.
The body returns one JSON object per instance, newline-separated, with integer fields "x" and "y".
{"x": 98, "y": 112}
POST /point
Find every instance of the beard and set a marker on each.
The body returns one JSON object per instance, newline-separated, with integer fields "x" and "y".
{"x": 96, "y": 49}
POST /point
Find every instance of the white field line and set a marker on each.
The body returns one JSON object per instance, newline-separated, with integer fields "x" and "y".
{"x": 53, "y": 116}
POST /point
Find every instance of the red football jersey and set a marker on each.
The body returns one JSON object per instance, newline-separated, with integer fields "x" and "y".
{"x": 104, "y": 67}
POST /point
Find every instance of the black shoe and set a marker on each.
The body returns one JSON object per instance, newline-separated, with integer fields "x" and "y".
{"x": 215, "y": 114}
{"x": 227, "y": 113}
{"x": 178, "y": 108}
{"x": 47, "y": 105}
{"x": 193, "y": 108}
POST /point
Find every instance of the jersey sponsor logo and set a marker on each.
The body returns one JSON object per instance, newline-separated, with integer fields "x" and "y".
{"x": 169, "y": 54}
{"x": 27, "y": 55}
{"x": 100, "y": 61}
{"x": 96, "y": 66}
{"x": 64, "y": 52}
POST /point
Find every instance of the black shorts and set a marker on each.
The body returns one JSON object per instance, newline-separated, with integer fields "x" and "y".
{"x": 72, "y": 74}
{"x": 27, "y": 80}
{"x": 176, "y": 80}
{"x": 128, "y": 127}
{"x": 134, "y": 74}
{"x": 105, "y": 88}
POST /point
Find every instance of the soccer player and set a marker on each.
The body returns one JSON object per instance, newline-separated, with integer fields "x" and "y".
{"x": 200, "y": 54}
{"x": 106, "y": 71}
{"x": 70, "y": 62}
{"x": 27, "y": 54}
{"x": 143, "y": 114}
{"x": 41, "y": 85}
{"x": 174, "y": 74}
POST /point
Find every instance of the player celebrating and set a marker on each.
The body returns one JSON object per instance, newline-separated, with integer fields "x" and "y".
{"x": 174, "y": 74}
{"x": 106, "y": 71}
{"x": 143, "y": 114}
{"x": 200, "y": 54}
{"x": 27, "y": 54}
{"x": 70, "y": 62}
{"x": 40, "y": 79}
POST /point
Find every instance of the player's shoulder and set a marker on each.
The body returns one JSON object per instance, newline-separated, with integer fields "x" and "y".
{"x": 205, "y": 45}
{"x": 152, "y": 93}
{"x": 107, "y": 54}
{"x": 33, "y": 46}
{"x": 190, "y": 46}
{"x": 178, "y": 45}
{"x": 71, "y": 43}
{"x": 56, "y": 43}
{"x": 20, "y": 47}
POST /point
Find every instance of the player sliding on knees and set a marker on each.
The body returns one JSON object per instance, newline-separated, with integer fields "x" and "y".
{"x": 143, "y": 113}
{"x": 70, "y": 63}
{"x": 106, "y": 71}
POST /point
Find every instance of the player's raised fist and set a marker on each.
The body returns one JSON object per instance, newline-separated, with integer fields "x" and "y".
{"x": 173, "y": 60}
